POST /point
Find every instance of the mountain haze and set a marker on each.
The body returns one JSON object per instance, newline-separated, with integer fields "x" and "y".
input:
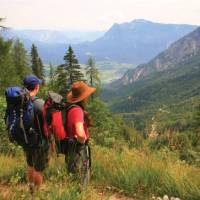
{"x": 53, "y": 36}
{"x": 178, "y": 52}
{"x": 133, "y": 42}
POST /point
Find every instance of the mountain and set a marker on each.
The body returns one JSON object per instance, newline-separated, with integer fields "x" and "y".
{"x": 52, "y": 45}
{"x": 170, "y": 81}
{"x": 178, "y": 52}
{"x": 53, "y": 36}
{"x": 134, "y": 42}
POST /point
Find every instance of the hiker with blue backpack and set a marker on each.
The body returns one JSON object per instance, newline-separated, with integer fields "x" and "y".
{"x": 24, "y": 119}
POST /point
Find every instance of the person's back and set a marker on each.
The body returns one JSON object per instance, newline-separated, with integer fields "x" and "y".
{"x": 79, "y": 156}
{"x": 28, "y": 119}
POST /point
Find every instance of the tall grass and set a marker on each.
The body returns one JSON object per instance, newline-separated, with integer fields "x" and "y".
{"x": 58, "y": 185}
{"x": 12, "y": 169}
{"x": 144, "y": 173}
{"x": 138, "y": 173}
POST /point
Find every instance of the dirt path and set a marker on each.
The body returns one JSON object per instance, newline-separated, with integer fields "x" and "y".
{"x": 6, "y": 192}
{"x": 119, "y": 197}
{"x": 111, "y": 194}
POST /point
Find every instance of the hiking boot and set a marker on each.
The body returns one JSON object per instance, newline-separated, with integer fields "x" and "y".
{"x": 31, "y": 187}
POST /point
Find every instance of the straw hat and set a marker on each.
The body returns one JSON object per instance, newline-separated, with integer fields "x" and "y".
{"x": 79, "y": 92}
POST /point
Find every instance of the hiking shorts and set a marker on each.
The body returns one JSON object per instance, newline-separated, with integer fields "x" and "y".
{"x": 37, "y": 157}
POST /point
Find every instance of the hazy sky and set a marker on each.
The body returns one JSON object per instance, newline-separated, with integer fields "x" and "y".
{"x": 95, "y": 14}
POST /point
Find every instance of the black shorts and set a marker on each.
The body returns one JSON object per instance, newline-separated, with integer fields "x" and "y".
{"x": 38, "y": 157}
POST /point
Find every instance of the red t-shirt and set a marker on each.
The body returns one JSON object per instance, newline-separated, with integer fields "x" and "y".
{"x": 75, "y": 115}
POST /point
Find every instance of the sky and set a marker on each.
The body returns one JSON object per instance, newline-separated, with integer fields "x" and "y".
{"x": 95, "y": 14}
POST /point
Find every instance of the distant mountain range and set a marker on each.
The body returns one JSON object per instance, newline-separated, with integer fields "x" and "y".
{"x": 52, "y": 36}
{"x": 178, "y": 52}
{"x": 170, "y": 80}
{"x": 134, "y": 42}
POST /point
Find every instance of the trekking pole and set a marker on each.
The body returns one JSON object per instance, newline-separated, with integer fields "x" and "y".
{"x": 40, "y": 130}
{"x": 22, "y": 125}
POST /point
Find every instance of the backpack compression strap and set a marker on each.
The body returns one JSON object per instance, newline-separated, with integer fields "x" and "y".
{"x": 21, "y": 120}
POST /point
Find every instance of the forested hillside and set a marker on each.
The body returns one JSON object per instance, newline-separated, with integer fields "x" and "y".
{"x": 169, "y": 82}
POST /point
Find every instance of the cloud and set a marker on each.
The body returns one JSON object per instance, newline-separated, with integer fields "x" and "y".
{"x": 95, "y": 15}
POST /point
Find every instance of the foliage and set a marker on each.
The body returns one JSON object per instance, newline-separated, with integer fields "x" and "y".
{"x": 93, "y": 75}
{"x": 186, "y": 144}
{"x": 72, "y": 66}
{"x": 175, "y": 90}
{"x": 51, "y": 76}
{"x": 60, "y": 80}
{"x": 42, "y": 73}
{"x": 36, "y": 63}
{"x": 20, "y": 60}
{"x": 64, "y": 75}
{"x": 107, "y": 130}
{"x": 8, "y": 74}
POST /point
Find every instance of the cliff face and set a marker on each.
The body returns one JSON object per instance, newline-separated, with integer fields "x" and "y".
{"x": 178, "y": 52}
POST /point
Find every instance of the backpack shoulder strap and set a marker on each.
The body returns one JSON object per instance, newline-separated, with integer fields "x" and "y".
{"x": 65, "y": 114}
{"x": 72, "y": 106}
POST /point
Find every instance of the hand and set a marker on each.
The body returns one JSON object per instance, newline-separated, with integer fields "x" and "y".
{"x": 80, "y": 139}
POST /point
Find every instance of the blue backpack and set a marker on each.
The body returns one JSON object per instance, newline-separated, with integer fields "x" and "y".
{"x": 20, "y": 117}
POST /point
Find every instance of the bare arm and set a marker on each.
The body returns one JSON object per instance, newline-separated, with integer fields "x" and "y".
{"x": 80, "y": 132}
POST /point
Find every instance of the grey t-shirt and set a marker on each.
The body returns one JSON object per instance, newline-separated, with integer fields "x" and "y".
{"x": 38, "y": 105}
{"x": 38, "y": 114}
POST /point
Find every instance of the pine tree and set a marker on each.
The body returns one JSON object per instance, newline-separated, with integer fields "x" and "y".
{"x": 51, "y": 76}
{"x": 36, "y": 63}
{"x": 8, "y": 73}
{"x": 41, "y": 70}
{"x": 20, "y": 59}
{"x": 92, "y": 74}
{"x": 60, "y": 80}
{"x": 72, "y": 66}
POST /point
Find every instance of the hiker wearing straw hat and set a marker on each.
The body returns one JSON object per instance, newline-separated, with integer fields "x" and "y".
{"x": 78, "y": 121}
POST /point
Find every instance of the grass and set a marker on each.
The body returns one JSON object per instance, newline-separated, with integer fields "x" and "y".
{"x": 11, "y": 169}
{"x": 136, "y": 173}
{"x": 144, "y": 173}
{"x": 58, "y": 185}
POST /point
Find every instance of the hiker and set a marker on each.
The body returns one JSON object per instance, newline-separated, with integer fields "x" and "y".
{"x": 25, "y": 122}
{"x": 78, "y": 156}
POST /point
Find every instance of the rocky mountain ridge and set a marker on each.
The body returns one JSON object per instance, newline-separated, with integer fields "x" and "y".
{"x": 177, "y": 52}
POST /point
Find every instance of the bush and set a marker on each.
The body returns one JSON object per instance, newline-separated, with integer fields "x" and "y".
{"x": 184, "y": 143}
{"x": 106, "y": 131}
